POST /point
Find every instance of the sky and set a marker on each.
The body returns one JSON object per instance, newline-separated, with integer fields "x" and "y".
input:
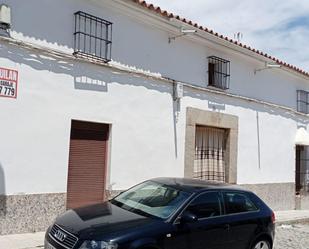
{"x": 277, "y": 27}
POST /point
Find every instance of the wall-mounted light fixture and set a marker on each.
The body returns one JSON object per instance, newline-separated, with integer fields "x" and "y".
{"x": 183, "y": 32}
{"x": 267, "y": 66}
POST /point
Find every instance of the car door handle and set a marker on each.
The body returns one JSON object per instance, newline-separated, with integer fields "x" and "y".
{"x": 226, "y": 226}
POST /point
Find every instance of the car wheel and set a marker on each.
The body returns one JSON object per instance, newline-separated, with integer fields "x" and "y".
{"x": 261, "y": 244}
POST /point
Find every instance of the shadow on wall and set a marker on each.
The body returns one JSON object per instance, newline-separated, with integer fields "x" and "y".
{"x": 43, "y": 13}
{"x": 222, "y": 101}
{"x": 85, "y": 75}
{"x": 90, "y": 84}
{"x": 2, "y": 193}
{"x": 97, "y": 78}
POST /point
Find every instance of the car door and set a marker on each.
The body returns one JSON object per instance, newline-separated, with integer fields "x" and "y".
{"x": 242, "y": 216}
{"x": 209, "y": 230}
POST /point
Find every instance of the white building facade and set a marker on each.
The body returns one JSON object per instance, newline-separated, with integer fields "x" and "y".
{"x": 97, "y": 96}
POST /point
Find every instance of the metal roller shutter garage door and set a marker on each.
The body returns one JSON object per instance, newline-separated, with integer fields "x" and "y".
{"x": 87, "y": 164}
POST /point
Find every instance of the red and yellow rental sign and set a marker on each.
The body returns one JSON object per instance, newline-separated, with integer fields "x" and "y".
{"x": 8, "y": 83}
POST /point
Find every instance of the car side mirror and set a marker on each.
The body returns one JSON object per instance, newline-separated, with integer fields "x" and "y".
{"x": 188, "y": 217}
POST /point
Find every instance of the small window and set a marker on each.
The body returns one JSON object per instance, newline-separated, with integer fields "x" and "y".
{"x": 238, "y": 203}
{"x": 206, "y": 205}
{"x": 218, "y": 72}
{"x": 92, "y": 37}
{"x": 303, "y": 101}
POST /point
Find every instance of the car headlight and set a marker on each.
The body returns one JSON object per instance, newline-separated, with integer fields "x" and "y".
{"x": 94, "y": 244}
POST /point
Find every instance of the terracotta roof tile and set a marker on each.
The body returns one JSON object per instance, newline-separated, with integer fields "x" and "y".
{"x": 165, "y": 13}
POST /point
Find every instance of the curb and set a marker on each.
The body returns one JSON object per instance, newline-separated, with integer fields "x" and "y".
{"x": 294, "y": 221}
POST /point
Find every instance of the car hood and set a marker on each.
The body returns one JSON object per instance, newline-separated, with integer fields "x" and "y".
{"x": 101, "y": 220}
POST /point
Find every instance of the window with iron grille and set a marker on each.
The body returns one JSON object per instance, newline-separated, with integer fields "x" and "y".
{"x": 218, "y": 72}
{"x": 303, "y": 101}
{"x": 92, "y": 37}
{"x": 210, "y": 149}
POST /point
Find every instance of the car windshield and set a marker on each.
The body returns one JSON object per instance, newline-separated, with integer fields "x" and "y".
{"x": 151, "y": 199}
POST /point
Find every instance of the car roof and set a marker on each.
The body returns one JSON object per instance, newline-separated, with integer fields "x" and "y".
{"x": 195, "y": 185}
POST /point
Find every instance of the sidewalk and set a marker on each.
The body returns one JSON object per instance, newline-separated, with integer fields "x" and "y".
{"x": 22, "y": 241}
{"x": 36, "y": 240}
{"x": 292, "y": 216}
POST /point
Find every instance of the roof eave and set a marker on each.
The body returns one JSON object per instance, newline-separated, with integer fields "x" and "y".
{"x": 220, "y": 39}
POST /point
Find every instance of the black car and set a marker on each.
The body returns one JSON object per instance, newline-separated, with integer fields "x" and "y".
{"x": 168, "y": 213}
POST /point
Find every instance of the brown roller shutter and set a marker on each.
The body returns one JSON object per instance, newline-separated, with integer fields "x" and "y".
{"x": 87, "y": 164}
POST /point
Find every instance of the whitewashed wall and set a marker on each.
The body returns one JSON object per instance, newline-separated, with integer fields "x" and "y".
{"x": 36, "y": 126}
{"x": 147, "y": 140}
{"x": 137, "y": 42}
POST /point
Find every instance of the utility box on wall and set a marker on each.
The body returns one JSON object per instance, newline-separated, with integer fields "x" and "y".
{"x": 5, "y": 16}
{"x": 178, "y": 91}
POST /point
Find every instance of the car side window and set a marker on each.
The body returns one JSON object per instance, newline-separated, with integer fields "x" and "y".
{"x": 236, "y": 202}
{"x": 206, "y": 205}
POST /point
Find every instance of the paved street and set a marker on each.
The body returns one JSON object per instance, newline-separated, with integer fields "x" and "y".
{"x": 287, "y": 237}
{"x": 292, "y": 236}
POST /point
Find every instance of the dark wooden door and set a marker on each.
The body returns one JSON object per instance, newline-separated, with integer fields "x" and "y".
{"x": 298, "y": 159}
{"x": 87, "y": 164}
